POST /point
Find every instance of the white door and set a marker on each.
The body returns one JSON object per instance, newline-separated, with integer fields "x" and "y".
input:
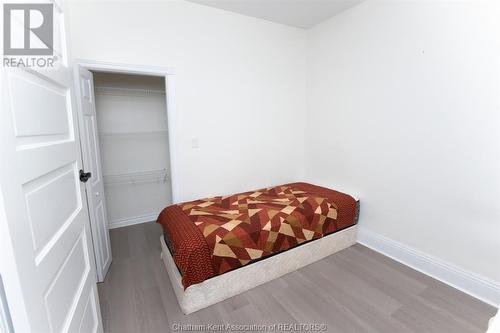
{"x": 92, "y": 164}
{"x": 43, "y": 199}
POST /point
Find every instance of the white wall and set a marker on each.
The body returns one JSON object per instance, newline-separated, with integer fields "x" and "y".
{"x": 403, "y": 110}
{"x": 240, "y": 86}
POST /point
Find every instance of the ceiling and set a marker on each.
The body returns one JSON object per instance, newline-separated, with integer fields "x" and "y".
{"x": 297, "y": 13}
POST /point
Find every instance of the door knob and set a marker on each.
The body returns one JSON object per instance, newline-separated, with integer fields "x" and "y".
{"x": 84, "y": 176}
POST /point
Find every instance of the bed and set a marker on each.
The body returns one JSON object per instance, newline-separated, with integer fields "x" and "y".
{"x": 216, "y": 248}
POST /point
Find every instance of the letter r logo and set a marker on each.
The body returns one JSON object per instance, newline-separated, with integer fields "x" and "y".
{"x": 28, "y": 29}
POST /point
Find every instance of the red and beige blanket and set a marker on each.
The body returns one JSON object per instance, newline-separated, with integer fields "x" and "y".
{"x": 214, "y": 235}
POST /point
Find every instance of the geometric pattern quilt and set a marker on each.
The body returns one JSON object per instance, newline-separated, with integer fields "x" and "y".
{"x": 245, "y": 227}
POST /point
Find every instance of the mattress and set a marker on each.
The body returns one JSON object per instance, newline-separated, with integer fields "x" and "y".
{"x": 237, "y": 281}
{"x": 212, "y": 236}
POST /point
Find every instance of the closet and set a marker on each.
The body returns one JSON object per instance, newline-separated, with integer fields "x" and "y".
{"x": 133, "y": 141}
{"x": 123, "y": 130}
{"x": 125, "y": 146}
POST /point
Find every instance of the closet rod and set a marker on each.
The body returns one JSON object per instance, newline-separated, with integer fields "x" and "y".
{"x": 127, "y": 91}
{"x": 139, "y": 177}
{"x": 133, "y": 134}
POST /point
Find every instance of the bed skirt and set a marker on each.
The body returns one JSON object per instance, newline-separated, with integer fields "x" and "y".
{"x": 232, "y": 283}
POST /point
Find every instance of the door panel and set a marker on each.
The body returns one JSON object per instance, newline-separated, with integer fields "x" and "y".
{"x": 52, "y": 202}
{"x": 92, "y": 142}
{"x": 89, "y": 320}
{"x": 43, "y": 199}
{"x": 100, "y": 214}
{"x": 92, "y": 163}
{"x": 67, "y": 285}
{"x": 52, "y": 124}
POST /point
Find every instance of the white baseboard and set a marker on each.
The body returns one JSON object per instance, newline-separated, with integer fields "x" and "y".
{"x": 477, "y": 286}
{"x": 133, "y": 220}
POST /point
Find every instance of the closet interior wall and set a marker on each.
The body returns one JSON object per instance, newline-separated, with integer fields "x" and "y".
{"x": 132, "y": 126}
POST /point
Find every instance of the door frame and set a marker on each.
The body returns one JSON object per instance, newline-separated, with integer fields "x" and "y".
{"x": 169, "y": 75}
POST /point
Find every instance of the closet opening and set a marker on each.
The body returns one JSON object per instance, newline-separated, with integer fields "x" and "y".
{"x": 125, "y": 145}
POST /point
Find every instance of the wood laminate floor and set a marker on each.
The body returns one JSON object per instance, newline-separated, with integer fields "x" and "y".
{"x": 355, "y": 290}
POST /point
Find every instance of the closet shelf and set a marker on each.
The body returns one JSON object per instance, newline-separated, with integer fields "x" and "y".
{"x": 136, "y": 134}
{"x": 141, "y": 177}
{"x": 127, "y": 91}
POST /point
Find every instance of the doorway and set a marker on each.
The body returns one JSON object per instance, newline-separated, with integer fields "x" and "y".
{"x": 125, "y": 130}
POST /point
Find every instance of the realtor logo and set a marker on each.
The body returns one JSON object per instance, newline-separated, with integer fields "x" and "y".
{"x": 28, "y": 35}
{"x": 28, "y": 29}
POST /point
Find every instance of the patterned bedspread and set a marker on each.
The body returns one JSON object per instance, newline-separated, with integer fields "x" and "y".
{"x": 223, "y": 233}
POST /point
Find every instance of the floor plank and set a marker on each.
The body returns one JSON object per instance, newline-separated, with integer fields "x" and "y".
{"x": 355, "y": 290}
